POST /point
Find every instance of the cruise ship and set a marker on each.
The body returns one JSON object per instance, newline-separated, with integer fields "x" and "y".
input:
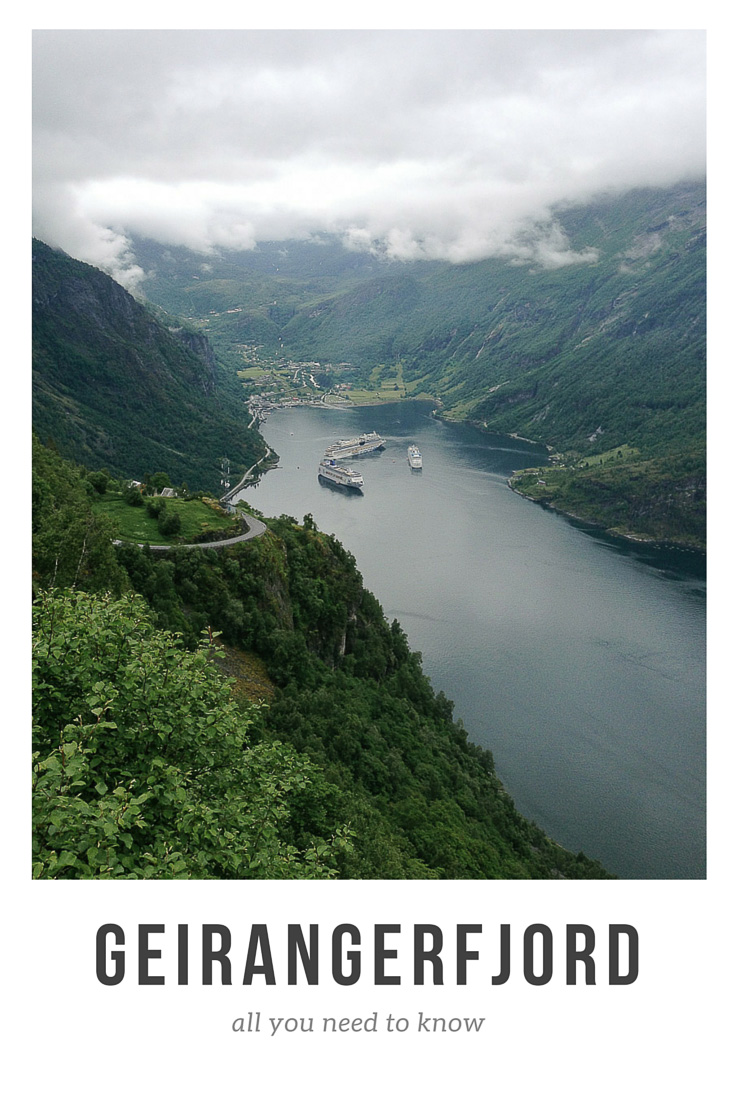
{"x": 359, "y": 445}
{"x": 415, "y": 460}
{"x": 331, "y": 471}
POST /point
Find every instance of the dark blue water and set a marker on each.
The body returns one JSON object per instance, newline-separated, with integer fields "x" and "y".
{"x": 578, "y": 660}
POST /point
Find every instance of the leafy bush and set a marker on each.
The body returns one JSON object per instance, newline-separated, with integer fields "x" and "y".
{"x": 132, "y": 496}
{"x": 141, "y": 765}
{"x": 169, "y": 524}
{"x": 98, "y": 480}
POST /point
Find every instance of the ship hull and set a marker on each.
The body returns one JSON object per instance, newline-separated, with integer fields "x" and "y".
{"x": 343, "y": 478}
{"x": 342, "y": 487}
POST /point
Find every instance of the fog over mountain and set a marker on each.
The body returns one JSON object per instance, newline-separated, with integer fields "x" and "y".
{"x": 440, "y": 144}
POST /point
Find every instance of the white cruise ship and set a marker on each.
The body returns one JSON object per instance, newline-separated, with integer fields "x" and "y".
{"x": 331, "y": 471}
{"x": 415, "y": 459}
{"x": 359, "y": 445}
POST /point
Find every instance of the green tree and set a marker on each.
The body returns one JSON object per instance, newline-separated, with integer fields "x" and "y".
{"x": 155, "y": 506}
{"x": 71, "y": 546}
{"x": 169, "y": 524}
{"x": 141, "y": 765}
{"x": 159, "y": 481}
{"x": 98, "y": 480}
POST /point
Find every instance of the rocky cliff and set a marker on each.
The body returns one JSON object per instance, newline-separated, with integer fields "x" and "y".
{"x": 113, "y": 387}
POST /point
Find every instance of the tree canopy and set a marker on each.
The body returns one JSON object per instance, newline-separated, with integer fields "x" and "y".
{"x": 142, "y": 766}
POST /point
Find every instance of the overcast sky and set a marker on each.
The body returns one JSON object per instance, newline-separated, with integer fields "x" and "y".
{"x": 415, "y": 143}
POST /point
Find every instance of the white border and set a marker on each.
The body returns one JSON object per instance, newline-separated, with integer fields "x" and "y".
{"x": 662, "y": 1037}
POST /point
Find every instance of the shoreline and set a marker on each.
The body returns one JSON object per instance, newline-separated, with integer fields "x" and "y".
{"x": 613, "y": 533}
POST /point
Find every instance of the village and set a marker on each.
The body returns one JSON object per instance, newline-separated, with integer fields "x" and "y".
{"x": 290, "y": 384}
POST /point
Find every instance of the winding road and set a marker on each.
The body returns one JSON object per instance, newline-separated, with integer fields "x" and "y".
{"x": 255, "y": 528}
{"x": 227, "y": 498}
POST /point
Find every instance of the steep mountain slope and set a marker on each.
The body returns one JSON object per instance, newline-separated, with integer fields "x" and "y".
{"x": 614, "y": 338}
{"x": 602, "y": 350}
{"x": 623, "y": 347}
{"x": 356, "y": 768}
{"x": 115, "y": 388}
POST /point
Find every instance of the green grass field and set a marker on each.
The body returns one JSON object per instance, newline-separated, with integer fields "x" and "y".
{"x": 385, "y": 384}
{"x": 623, "y": 452}
{"x": 133, "y": 522}
{"x": 254, "y": 372}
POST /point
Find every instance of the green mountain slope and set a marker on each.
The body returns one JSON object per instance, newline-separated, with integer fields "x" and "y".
{"x": 355, "y": 768}
{"x": 114, "y": 388}
{"x": 585, "y": 357}
{"x": 624, "y": 358}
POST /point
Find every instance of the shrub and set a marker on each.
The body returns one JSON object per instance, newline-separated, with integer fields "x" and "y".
{"x": 169, "y": 524}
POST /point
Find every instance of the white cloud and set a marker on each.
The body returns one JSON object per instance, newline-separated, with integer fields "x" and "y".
{"x": 437, "y": 144}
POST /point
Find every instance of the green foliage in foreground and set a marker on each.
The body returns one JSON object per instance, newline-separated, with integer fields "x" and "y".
{"x": 146, "y": 766}
{"x": 142, "y": 767}
{"x": 423, "y": 801}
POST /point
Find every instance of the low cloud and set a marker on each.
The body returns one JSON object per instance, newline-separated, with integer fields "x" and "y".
{"x": 433, "y": 144}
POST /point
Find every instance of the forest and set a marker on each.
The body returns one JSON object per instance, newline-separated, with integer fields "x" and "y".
{"x": 248, "y": 711}
{"x": 244, "y": 713}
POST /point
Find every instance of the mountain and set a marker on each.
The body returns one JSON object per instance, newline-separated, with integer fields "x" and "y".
{"x": 356, "y": 768}
{"x": 600, "y": 354}
{"x": 115, "y": 388}
{"x": 372, "y": 776}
